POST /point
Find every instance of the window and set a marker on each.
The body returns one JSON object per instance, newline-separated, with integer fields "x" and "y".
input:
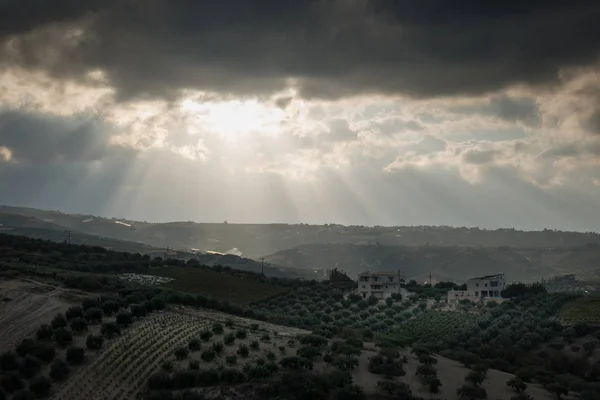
{"x": 494, "y": 283}
{"x": 364, "y": 295}
{"x": 391, "y": 278}
{"x": 477, "y": 284}
{"x": 476, "y": 293}
{"x": 386, "y": 286}
{"x": 486, "y": 285}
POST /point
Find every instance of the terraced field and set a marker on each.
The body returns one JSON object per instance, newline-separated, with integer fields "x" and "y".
{"x": 121, "y": 370}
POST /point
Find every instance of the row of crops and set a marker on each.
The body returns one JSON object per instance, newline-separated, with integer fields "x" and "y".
{"x": 120, "y": 372}
{"x": 324, "y": 306}
{"x": 582, "y": 309}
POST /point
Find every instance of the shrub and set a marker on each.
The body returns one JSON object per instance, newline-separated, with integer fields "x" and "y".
{"x": 94, "y": 342}
{"x": 74, "y": 312}
{"x": 194, "y": 365}
{"x": 208, "y": 355}
{"x": 44, "y": 332}
{"x": 79, "y": 325}
{"x": 44, "y": 351}
{"x": 471, "y": 392}
{"x": 40, "y": 386}
{"x": 217, "y": 328}
{"x": 181, "y": 353}
{"x": 206, "y": 335}
{"x": 9, "y": 361}
{"x": 475, "y": 378}
{"x": 425, "y": 372}
{"x": 265, "y": 337}
{"x": 243, "y": 350}
{"x": 110, "y": 330}
{"x": 433, "y": 384}
{"x": 314, "y": 340}
{"x": 229, "y": 323}
{"x": 11, "y": 382}
{"x": 124, "y": 318}
{"x": 254, "y": 327}
{"x": 308, "y": 352}
{"x": 59, "y": 321}
{"x": 59, "y": 370}
{"x": 258, "y": 373}
{"x": 385, "y": 366}
{"x": 232, "y": 376}
{"x": 75, "y": 355}
{"x": 254, "y": 345}
{"x": 345, "y": 363}
{"x": 271, "y": 356}
{"x": 229, "y": 339}
{"x": 167, "y": 366}
{"x": 297, "y": 363}
{"x": 218, "y": 347}
{"x": 399, "y": 390}
{"x": 194, "y": 344}
{"x": 30, "y": 366}
{"x": 240, "y": 334}
{"x": 231, "y": 360}
{"x": 281, "y": 350}
{"x": 63, "y": 337}
{"x": 25, "y": 347}
{"x": 94, "y": 315}
{"x": 517, "y": 385}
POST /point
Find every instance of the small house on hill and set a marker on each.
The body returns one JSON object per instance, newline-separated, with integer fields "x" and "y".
{"x": 379, "y": 284}
{"x": 482, "y": 288}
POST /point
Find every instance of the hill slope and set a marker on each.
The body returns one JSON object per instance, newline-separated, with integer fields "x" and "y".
{"x": 446, "y": 263}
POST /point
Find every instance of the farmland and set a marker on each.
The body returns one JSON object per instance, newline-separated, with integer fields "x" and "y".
{"x": 582, "y": 309}
{"x": 121, "y": 370}
{"x": 431, "y": 326}
{"x": 221, "y": 286}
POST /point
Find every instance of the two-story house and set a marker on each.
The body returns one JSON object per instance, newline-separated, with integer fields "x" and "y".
{"x": 481, "y": 288}
{"x": 379, "y": 284}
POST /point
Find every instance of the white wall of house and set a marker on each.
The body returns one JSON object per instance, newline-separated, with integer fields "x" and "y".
{"x": 379, "y": 284}
{"x": 483, "y": 288}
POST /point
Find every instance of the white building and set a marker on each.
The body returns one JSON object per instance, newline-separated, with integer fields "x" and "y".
{"x": 379, "y": 284}
{"x": 482, "y": 288}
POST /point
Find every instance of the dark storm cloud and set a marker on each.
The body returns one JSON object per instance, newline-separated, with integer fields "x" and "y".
{"x": 35, "y": 138}
{"x": 332, "y": 48}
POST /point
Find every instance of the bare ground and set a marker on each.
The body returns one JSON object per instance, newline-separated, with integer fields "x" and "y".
{"x": 28, "y": 304}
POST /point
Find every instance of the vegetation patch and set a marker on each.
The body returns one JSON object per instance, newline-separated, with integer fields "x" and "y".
{"x": 220, "y": 286}
{"x": 582, "y": 309}
{"x": 430, "y": 326}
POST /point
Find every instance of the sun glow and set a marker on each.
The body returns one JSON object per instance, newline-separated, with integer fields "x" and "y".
{"x": 233, "y": 119}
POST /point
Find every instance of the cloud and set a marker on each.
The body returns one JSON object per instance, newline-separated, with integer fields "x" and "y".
{"x": 34, "y": 138}
{"x": 474, "y": 156}
{"x": 325, "y": 49}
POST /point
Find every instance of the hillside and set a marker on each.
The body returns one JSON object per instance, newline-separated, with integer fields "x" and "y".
{"x": 446, "y": 263}
{"x": 256, "y": 240}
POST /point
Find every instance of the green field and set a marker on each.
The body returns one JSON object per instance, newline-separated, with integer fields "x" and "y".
{"x": 221, "y": 286}
{"x": 584, "y": 308}
{"x": 431, "y": 325}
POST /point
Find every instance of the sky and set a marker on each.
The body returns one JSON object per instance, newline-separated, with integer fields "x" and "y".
{"x": 380, "y": 112}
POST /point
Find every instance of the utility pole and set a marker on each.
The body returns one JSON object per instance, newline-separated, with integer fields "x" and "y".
{"x": 262, "y": 266}
{"x": 430, "y": 282}
{"x": 68, "y": 237}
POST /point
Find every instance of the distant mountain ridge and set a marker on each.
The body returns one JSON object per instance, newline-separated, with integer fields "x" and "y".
{"x": 258, "y": 240}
